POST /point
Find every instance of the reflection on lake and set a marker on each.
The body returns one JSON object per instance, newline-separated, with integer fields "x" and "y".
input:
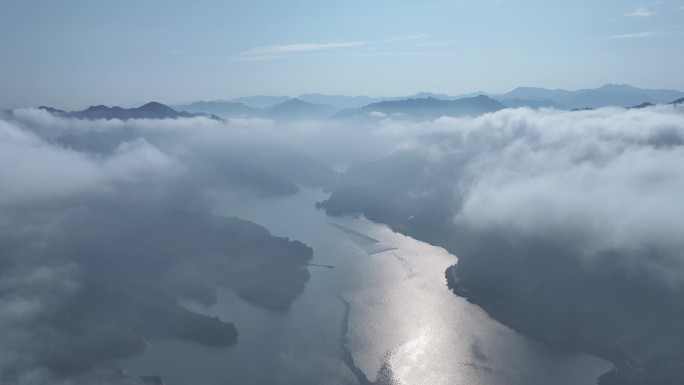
{"x": 388, "y": 297}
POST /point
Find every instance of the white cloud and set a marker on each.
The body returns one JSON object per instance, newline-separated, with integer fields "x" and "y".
{"x": 640, "y": 12}
{"x": 138, "y": 160}
{"x": 280, "y": 50}
{"x": 276, "y": 51}
{"x": 611, "y": 177}
{"x": 638, "y": 35}
{"x": 597, "y": 181}
{"x": 31, "y": 169}
{"x": 406, "y": 37}
{"x": 608, "y": 179}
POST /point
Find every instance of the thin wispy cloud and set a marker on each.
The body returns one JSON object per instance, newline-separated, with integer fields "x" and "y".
{"x": 640, "y": 12}
{"x": 638, "y": 35}
{"x": 277, "y": 51}
{"x": 285, "y": 49}
{"x": 405, "y": 38}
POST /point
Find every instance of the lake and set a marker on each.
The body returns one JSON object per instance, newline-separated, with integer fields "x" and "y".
{"x": 383, "y": 314}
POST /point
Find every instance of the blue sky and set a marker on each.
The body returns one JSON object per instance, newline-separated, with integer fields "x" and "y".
{"x": 74, "y": 53}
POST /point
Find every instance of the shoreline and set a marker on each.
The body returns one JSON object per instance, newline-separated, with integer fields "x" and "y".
{"x": 507, "y": 320}
{"x": 504, "y": 319}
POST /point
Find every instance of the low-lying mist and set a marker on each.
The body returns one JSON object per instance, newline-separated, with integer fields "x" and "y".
{"x": 599, "y": 180}
{"x": 604, "y": 185}
{"x": 566, "y": 224}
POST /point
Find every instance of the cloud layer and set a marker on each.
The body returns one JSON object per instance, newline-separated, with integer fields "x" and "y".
{"x": 611, "y": 177}
{"x": 637, "y": 35}
{"x": 598, "y": 181}
{"x": 34, "y": 169}
{"x": 594, "y": 181}
{"x": 60, "y": 172}
{"x": 279, "y": 50}
{"x": 591, "y": 183}
{"x": 608, "y": 177}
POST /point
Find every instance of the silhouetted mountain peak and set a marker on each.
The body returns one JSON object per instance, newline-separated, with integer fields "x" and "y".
{"x": 52, "y": 110}
{"x": 261, "y": 101}
{"x": 430, "y": 95}
{"x": 292, "y": 104}
{"x": 613, "y": 86}
{"x": 100, "y": 107}
{"x": 296, "y": 108}
{"x": 156, "y": 107}
{"x": 295, "y": 102}
{"x": 642, "y": 105}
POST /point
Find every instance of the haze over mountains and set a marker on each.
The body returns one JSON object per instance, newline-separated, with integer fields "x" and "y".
{"x": 419, "y": 106}
{"x": 386, "y": 192}
{"x": 151, "y": 110}
{"x": 429, "y": 105}
{"x": 549, "y": 211}
{"x": 426, "y": 108}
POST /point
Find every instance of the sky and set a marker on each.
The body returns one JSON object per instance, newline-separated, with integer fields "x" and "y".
{"x": 75, "y": 53}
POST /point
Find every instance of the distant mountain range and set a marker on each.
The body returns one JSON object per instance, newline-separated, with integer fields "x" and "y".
{"x": 608, "y": 95}
{"x": 295, "y": 109}
{"x": 430, "y": 105}
{"x": 426, "y": 108}
{"x": 224, "y": 109}
{"x": 152, "y": 110}
{"x": 261, "y": 101}
{"x": 290, "y": 109}
{"x": 420, "y": 106}
{"x": 340, "y": 101}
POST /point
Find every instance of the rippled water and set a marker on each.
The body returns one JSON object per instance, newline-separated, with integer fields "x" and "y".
{"x": 383, "y": 314}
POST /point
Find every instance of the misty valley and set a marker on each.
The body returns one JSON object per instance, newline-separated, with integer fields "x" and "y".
{"x": 488, "y": 239}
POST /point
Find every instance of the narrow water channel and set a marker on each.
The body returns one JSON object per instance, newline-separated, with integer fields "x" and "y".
{"x": 376, "y": 310}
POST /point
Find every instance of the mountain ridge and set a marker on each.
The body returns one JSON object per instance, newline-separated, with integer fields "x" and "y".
{"x": 150, "y": 110}
{"x": 429, "y": 107}
{"x": 567, "y": 99}
{"x": 620, "y": 95}
{"x": 419, "y": 105}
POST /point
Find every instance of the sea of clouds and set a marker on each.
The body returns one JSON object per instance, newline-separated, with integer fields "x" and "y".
{"x": 608, "y": 179}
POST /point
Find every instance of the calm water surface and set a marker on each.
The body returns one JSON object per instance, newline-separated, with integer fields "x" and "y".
{"x": 384, "y": 314}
